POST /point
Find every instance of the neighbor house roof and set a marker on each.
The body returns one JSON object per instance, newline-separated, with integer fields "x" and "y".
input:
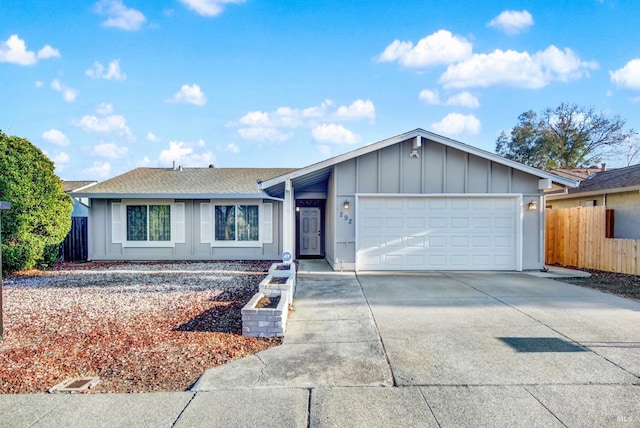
{"x": 184, "y": 183}
{"x": 576, "y": 173}
{"x": 321, "y": 170}
{"x": 611, "y": 181}
{"x": 70, "y": 186}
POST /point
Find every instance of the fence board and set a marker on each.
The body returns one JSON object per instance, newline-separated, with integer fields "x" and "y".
{"x": 75, "y": 248}
{"x": 577, "y": 237}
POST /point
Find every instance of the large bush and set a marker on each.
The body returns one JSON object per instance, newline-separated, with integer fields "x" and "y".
{"x": 40, "y": 214}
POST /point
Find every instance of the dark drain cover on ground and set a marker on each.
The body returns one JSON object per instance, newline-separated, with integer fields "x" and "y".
{"x": 77, "y": 384}
{"x": 541, "y": 344}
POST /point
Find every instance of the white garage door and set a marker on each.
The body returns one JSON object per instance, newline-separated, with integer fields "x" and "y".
{"x": 438, "y": 233}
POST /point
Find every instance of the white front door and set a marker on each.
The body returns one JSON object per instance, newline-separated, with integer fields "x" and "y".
{"x": 310, "y": 232}
{"x": 438, "y": 233}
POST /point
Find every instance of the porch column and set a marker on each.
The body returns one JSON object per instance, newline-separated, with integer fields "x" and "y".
{"x": 288, "y": 220}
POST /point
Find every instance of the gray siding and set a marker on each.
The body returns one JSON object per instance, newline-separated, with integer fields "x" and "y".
{"x": 101, "y": 246}
{"x": 439, "y": 169}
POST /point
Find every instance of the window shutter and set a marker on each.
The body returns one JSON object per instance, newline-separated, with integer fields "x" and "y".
{"x": 178, "y": 223}
{"x": 206, "y": 223}
{"x": 267, "y": 223}
{"x": 117, "y": 224}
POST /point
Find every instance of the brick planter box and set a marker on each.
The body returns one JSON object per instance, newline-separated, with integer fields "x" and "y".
{"x": 282, "y": 269}
{"x": 265, "y": 322}
{"x": 278, "y": 284}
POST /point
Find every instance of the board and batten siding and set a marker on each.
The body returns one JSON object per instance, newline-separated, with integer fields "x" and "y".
{"x": 438, "y": 169}
{"x": 188, "y": 242}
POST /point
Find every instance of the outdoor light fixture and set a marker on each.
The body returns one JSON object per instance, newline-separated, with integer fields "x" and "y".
{"x": 345, "y": 204}
{"x": 533, "y": 205}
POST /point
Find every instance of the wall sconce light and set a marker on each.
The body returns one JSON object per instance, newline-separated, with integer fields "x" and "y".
{"x": 533, "y": 205}
{"x": 345, "y": 204}
{"x": 297, "y": 209}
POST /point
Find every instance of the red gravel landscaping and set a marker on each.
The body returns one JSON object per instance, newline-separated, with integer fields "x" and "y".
{"x": 139, "y": 326}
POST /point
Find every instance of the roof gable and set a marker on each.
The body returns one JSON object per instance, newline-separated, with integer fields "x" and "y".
{"x": 320, "y": 167}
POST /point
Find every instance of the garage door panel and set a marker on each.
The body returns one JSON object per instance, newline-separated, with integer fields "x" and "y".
{"x": 437, "y": 233}
{"x": 437, "y": 222}
{"x": 459, "y": 222}
{"x": 437, "y": 241}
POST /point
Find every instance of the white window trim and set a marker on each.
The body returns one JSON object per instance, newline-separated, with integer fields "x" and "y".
{"x": 149, "y": 244}
{"x": 237, "y": 244}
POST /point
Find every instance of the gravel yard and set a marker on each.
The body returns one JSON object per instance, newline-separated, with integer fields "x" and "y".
{"x": 139, "y": 326}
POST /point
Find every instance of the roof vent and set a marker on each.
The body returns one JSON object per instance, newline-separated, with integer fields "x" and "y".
{"x": 212, "y": 166}
{"x": 180, "y": 168}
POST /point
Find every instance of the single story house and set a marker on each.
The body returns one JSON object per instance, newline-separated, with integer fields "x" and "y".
{"x": 416, "y": 201}
{"x": 617, "y": 189}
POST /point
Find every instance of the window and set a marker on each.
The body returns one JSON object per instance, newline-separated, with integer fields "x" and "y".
{"x": 148, "y": 223}
{"x": 236, "y": 223}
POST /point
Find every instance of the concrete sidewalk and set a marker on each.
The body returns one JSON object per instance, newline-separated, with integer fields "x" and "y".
{"x": 428, "y": 349}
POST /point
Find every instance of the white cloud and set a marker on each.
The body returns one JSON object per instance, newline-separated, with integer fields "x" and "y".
{"x": 264, "y": 134}
{"x": 359, "y": 109}
{"x": 48, "y": 52}
{"x": 152, "y": 137}
{"x": 56, "y": 137}
{"x": 209, "y": 7}
{"x": 335, "y": 134}
{"x": 68, "y": 94}
{"x": 113, "y": 123}
{"x": 628, "y": 76}
{"x": 39, "y": 83}
{"x": 110, "y": 151}
{"x": 463, "y": 99}
{"x": 182, "y": 154}
{"x": 456, "y": 123}
{"x": 112, "y": 72}
{"x": 232, "y": 148}
{"x": 104, "y": 108}
{"x": 60, "y": 158}
{"x": 255, "y": 118}
{"x": 189, "y": 95}
{"x": 119, "y": 16}
{"x": 429, "y": 97}
{"x": 441, "y": 47}
{"x": 512, "y": 21}
{"x": 266, "y": 126}
{"x": 99, "y": 170}
{"x": 517, "y": 69}
{"x": 14, "y": 51}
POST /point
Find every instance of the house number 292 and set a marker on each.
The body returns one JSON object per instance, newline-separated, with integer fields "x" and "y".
{"x": 346, "y": 217}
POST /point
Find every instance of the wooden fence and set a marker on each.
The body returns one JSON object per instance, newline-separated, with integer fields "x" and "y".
{"x": 74, "y": 248}
{"x": 577, "y": 237}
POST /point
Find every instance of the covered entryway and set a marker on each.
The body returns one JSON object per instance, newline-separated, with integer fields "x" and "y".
{"x": 438, "y": 232}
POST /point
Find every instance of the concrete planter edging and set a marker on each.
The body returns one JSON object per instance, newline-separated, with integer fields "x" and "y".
{"x": 265, "y": 322}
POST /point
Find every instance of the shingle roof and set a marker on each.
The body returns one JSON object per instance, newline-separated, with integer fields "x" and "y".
{"x": 611, "y": 179}
{"x": 575, "y": 173}
{"x": 169, "y": 182}
{"x": 70, "y": 186}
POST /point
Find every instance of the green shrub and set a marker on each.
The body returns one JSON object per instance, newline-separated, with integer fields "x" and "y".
{"x": 40, "y": 214}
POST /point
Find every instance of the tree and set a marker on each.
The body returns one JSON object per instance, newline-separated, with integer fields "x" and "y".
{"x": 568, "y": 136}
{"x": 40, "y": 214}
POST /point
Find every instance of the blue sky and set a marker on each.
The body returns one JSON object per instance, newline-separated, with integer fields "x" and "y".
{"x": 106, "y": 86}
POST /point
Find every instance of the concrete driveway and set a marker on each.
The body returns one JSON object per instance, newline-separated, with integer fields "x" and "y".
{"x": 502, "y": 329}
{"x": 447, "y": 349}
